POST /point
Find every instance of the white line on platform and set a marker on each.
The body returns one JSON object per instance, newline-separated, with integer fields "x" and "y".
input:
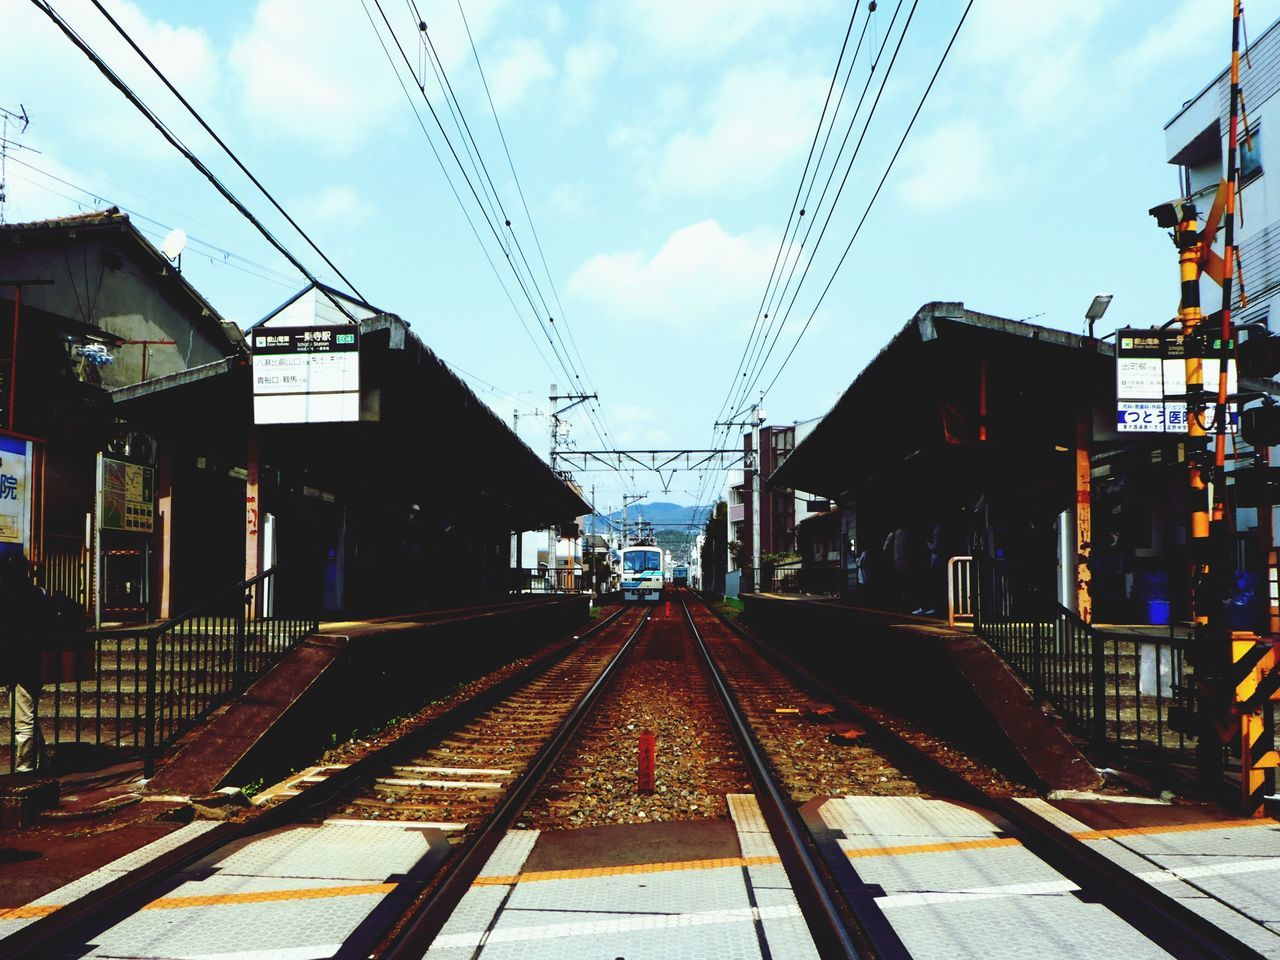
{"x": 592, "y": 928}
{"x": 456, "y": 771}
{"x": 1253, "y": 865}
{"x": 975, "y": 893}
{"x": 398, "y": 824}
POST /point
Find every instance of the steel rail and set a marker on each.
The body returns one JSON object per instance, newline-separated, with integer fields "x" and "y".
{"x": 96, "y": 911}
{"x": 1161, "y": 918}
{"x": 415, "y": 936}
{"x": 797, "y": 850}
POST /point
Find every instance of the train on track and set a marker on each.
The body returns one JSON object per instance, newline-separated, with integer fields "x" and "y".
{"x": 680, "y": 575}
{"x": 643, "y": 573}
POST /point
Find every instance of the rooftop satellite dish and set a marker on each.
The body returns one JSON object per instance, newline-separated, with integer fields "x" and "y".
{"x": 174, "y": 244}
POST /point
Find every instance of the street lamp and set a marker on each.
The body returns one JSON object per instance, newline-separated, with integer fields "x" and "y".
{"x": 1097, "y": 309}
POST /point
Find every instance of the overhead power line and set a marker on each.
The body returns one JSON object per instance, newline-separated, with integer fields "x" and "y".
{"x": 182, "y": 148}
{"x": 225, "y": 149}
{"x": 871, "y": 202}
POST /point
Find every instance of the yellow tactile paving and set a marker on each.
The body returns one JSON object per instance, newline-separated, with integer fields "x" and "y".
{"x": 22, "y": 913}
{"x": 268, "y": 896}
{"x": 1170, "y": 828}
{"x": 932, "y": 847}
{"x": 588, "y": 872}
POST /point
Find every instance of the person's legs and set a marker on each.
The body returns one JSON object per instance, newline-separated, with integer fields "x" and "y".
{"x": 27, "y": 742}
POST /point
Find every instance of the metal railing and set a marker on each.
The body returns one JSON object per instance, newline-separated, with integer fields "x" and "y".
{"x": 64, "y": 569}
{"x": 132, "y": 692}
{"x": 1122, "y": 691}
{"x": 542, "y": 580}
{"x": 959, "y": 590}
{"x": 821, "y": 581}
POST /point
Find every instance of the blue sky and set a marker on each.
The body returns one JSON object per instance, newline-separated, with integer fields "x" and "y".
{"x": 659, "y": 145}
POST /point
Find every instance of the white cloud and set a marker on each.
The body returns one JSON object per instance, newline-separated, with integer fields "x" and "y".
{"x": 635, "y": 425}
{"x": 570, "y": 200}
{"x": 521, "y": 65}
{"x": 705, "y": 29}
{"x": 702, "y": 280}
{"x": 309, "y": 77}
{"x": 948, "y": 167}
{"x": 324, "y": 78}
{"x": 758, "y": 120}
{"x": 336, "y": 203}
{"x": 585, "y": 66}
{"x": 64, "y": 92}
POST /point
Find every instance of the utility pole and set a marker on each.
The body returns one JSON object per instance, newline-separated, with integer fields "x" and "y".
{"x": 752, "y": 469}
{"x": 627, "y": 500}
{"x": 757, "y": 484}
{"x": 574, "y": 399}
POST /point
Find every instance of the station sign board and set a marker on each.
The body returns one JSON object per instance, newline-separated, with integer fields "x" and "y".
{"x": 306, "y": 374}
{"x": 15, "y": 492}
{"x": 127, "y": 496}
{"x": 1151, "y": 383}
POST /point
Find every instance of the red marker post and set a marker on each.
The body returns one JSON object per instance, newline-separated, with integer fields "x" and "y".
{"x": 645, "y": 772}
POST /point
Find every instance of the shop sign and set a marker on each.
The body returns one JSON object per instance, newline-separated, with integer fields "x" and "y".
{"x": 1151, "y": 383}
{"x": 127, "y": 492}
{"x": 306, "y": 374}
{"x": 15, "y": 492}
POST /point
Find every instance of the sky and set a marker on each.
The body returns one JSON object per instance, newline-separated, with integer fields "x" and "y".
{"x": 659, "y": 145}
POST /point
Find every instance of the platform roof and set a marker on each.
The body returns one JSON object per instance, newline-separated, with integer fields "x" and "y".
{"x": 922, "y": 394}
{"x": 422, "y": 430}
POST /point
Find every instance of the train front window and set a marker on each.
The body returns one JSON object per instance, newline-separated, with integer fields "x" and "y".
{"x": 638, "y": 561}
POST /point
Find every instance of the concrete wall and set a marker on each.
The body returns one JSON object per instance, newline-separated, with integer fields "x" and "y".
{"x": 93, "y": 285}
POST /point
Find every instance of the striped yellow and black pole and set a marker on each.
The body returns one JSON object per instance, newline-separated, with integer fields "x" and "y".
{"x": 1191, "y": 318}
{"x": 1252, "y": 673}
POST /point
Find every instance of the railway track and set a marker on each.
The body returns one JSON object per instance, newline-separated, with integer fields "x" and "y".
{"x": 540, "y": 747}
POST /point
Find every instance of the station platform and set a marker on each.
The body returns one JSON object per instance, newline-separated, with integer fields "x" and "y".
{"x": 951, "y": 881}
{"x": 284, "y": 721}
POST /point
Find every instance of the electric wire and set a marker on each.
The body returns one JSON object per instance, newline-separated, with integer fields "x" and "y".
{"x": 451, "y": 96}
{"x": 794, "y": 204}
{"x": 470, "y": 185}
{"x": 458, "y": 196}
{"x": 225, "y": 149}
{"x": 173, "y": 139}
{"x": 555, "y": 293}
{"x": 758, "y": 368}
{"x": 871, "y": 202}
{"x": 781, "y": 292}
{"x": 227, "y": 255}
{"x": 489, "y": 188}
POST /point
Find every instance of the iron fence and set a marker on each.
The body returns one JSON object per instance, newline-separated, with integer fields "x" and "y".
{"x": 542, "y": 580}
{"x": 122, "y": 693}
{"x": 1125, "y": 691}
{"x": 820, "y": 581}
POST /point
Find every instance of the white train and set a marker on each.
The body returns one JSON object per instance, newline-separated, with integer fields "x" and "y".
{"x": 642, "y": 573}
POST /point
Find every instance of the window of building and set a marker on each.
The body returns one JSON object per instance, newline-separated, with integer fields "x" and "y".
{"x": 1251, "y": 159}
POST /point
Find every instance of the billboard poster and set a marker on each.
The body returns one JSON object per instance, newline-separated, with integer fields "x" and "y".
{"x": 306, "y": 374}
{"x": 128, "y": 496}
{"x": 15, "y": 492}
{"x": 1151, "y": 383}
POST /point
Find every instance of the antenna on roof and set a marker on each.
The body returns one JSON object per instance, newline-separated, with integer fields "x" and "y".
{"x": 5, "y": 117}
{"x": 173, "y": 245}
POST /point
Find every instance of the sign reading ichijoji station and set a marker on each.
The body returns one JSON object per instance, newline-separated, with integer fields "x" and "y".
{"x": 1151, "y": 382}
{"x": 306, "y": 374}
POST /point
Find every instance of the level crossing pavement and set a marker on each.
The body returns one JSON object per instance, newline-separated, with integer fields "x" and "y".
{"x": 951, "y": 880}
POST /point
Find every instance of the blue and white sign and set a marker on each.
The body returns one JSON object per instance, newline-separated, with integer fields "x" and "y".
{"x": 1151, "y": 383}
{"x": 15, "y": 493}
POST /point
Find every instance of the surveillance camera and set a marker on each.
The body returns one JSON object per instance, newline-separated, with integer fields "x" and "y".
{"x": 1169, "y": 215}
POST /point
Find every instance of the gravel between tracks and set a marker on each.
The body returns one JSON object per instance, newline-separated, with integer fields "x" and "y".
{"x": 664, "y": 689}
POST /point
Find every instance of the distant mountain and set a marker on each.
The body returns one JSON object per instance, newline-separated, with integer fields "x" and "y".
{"x": 662, "y": 514}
